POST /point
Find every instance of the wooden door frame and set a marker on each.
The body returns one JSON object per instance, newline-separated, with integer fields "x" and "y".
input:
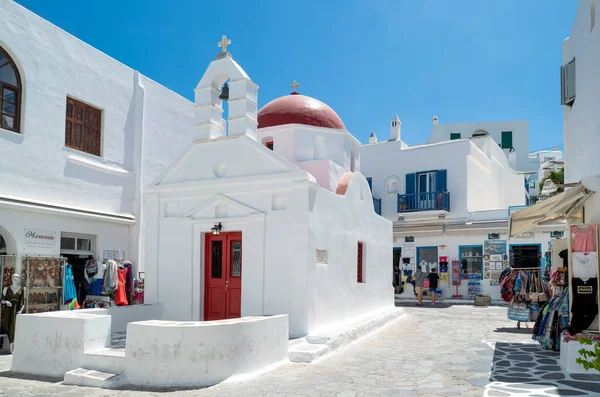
{"x": 226, "y": 264}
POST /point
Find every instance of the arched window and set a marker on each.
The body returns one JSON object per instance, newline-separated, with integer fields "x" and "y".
{"x": 392, "y": 185}
{"x": 10, "y": 93}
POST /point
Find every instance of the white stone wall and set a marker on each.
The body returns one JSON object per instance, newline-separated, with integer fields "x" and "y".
{"x": 50, "y": 344}
{"x": 174, "y": 354}
{"x": 337, "y": 224}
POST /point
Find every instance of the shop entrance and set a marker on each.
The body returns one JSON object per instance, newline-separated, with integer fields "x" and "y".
{"x": 78, "y": 249}
{"x": 525, "y": 255}
{"x": 223, "y": 276}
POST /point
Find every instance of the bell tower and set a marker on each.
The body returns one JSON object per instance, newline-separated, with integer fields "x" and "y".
{"x": 395, "y": 125}
{"x": 243, "y": 99}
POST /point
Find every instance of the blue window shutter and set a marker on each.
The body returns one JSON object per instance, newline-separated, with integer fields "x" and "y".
{"x": 410, "y": 183}
{"x": 370, "y": 182}
{"x": 440, "y": 181}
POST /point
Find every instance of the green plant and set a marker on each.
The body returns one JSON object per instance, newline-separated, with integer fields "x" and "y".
{"x": 558, "y": 177}
{"x": 590, "y": 359}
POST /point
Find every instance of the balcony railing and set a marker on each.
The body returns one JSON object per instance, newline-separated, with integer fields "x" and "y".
{"x": 430, "y": 201}
{"x": 537, "y": 198}
{"x": 377, "y": 205}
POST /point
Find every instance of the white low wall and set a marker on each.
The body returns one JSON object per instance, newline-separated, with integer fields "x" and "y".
{"x": 171, "y": 353}
{"x": 569, "y": 352}
{"x": 123, "y": 315}
{"x": 50, "y": 344}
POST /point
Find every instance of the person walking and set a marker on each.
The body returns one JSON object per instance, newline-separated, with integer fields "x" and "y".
{"x": 396, "y": 283}
{"x": 433, "y": 283}
{"x": 419, "y": 279}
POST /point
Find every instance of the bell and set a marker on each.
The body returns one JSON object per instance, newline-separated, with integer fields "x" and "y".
{"x": 224, "y": 93}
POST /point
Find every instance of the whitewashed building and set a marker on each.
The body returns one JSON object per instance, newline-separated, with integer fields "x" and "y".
{"x": 295, "y": 230}
{"x": 450, "y": 200}
{"x": 543, "y": 162}
{"x": 507, "y": 134}
{"x": 81, "y": 135}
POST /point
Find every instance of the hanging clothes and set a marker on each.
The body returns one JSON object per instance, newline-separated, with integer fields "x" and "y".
{"x": 111, "y": 277}
{"x": 585, "y": 307}
{"x": 551, "y": 321}
{"x": 70, "y": 292}
{"x": 129, "y": 281}
{"x": 9, "y": 314}
{"x": 121, "y": 296}
{"x": 584, "y": 239}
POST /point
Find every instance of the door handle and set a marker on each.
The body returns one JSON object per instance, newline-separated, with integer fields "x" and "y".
{"x": 226, "y": 285}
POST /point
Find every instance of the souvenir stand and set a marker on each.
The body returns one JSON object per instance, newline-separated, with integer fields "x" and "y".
{"x": 525, "y": 290}
{"x": 43, "y": 277}
{"x": 7, "y": 269}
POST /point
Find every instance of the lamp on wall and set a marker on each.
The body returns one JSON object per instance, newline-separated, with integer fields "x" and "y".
{"x": 216, "y": 229}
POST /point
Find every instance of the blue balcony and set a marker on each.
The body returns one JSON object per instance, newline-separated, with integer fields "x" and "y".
{"x": 537, "y": 198}
{"x": 377, "y": 205}
{"x": 430, "y": 201}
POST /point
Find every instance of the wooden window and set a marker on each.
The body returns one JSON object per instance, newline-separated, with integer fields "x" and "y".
{"x": 10, "y": 93}
{"x": 360, "y": 271}
{"x": 269, "y": 145}
{"x": 83, "y": 125}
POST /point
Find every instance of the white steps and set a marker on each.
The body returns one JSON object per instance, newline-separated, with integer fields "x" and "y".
{"x": 93, "y": 378}
{"x": 109, "y": 360}
{"x": 312, "y": 347}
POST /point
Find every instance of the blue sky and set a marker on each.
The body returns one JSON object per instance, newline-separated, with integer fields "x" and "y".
{"x": 462, "y": 60}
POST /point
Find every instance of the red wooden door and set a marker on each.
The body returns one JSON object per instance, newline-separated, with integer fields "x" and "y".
{"x": 223, "y": 276}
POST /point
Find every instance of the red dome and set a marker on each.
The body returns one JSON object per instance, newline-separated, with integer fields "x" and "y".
{"x": 298, "y": 109}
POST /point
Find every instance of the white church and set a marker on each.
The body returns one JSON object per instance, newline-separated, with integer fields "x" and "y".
{"x": 265, "y": 213}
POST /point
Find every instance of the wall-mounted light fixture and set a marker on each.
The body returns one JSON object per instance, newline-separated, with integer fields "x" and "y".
{"x": 216, "y": 229}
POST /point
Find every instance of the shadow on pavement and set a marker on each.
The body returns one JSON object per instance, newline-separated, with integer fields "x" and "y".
{"x": 527, "y": 369}
{"x": 515, "y": 330}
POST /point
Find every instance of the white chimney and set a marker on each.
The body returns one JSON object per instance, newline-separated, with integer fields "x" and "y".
{"x": 512, "y": 158}
{"x": 372, "y": 138}
{"x": 434, "y": 120}
{"x": 395, "y": 128}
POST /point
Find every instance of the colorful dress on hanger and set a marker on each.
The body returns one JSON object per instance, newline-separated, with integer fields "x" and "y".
{"x": 121, "y": 296}
{"x": 70, "y": 292}
{"x": 9, "y": 314}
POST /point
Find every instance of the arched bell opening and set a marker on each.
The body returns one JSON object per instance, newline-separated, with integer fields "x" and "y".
{"x": 224, "y": 97}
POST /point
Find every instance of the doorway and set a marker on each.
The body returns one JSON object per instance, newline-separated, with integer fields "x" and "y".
{"x": 223, "y": 276}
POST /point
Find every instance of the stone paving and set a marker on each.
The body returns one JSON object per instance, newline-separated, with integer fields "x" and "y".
{"x": 429, "y": 352}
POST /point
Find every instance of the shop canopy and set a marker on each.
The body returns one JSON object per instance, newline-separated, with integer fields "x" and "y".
{"x": 559, "y": 207}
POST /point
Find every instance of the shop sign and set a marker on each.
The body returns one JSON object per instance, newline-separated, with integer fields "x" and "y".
{"x": 408, "y": 250}
{"x": 40, "y": 241}
{"x": 116, "y": 255}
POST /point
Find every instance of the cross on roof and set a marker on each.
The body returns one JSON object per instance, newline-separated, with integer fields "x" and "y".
{"x": 295, "y": 85}
{"x": 224, "y": 43}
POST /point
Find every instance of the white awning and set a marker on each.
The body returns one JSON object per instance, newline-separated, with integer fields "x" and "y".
{"x": 562, "y": 206}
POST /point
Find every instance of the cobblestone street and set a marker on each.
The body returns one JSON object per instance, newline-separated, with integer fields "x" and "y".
{"x": 428, "y": 352}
